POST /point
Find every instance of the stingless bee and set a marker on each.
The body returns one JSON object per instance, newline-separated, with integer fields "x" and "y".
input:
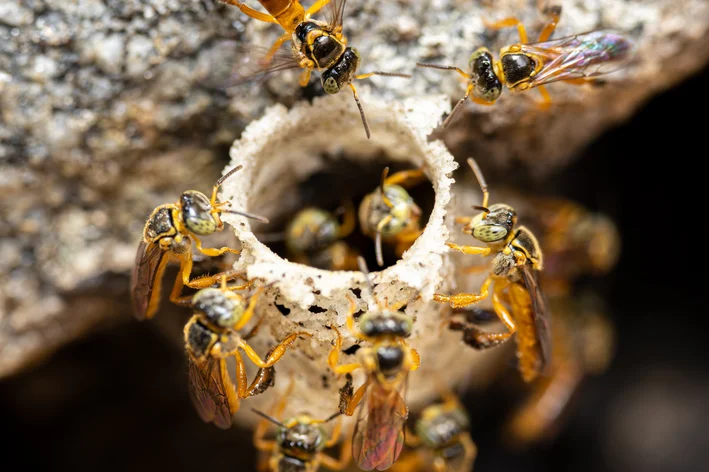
{"x": 314, "y": 236}
{"x": 300, "y": 441}
{"x": 211, "y": 337}
{"x": 387, "y": 360}
{"x": 169, "y": 233}
{"x": 522, "y": 66}
{"x": 315, "y": 45}
{"x": 515, "y": 282}
{"x": 390, "y": 214}
{"x": 442, "y": 440}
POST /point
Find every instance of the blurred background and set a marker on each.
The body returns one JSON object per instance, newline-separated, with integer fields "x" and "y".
{"x": 117, "y": 399}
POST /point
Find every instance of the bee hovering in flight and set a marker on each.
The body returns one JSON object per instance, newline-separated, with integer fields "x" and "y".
{"x": 211, "y": 337}
{"x": 316, "y": 45}
{"x": 300, "y": 441}
{"x": 515, "y": 282}
{"x": 379, "y": 430}
{"x": 573, "y": 59}
{"x": 169, "y": 233}
{"x": 390, "y": 213}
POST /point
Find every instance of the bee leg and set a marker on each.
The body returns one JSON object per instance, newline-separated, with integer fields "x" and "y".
{"x": 275, "y": 354}
{"x": 470, "y": 451}
{"x": 304, "y": 78}
{"x": 405, "y": 178}
{"x": 464, "y": 299}
{"x": 333, "y": 358}
{"x": 343, "y": 461}
{"x": 415, "y": 359}
{"x": 211, "y": 251}
{"x": 477, "y": 338}
{"x": 472, "y": 250}
{"x": 251, "y": 12}
{"x": 463, "y": 220}
{"x": 554, "y": 13}
{"x": 474, "y": 269}
{"x": 349, "y": 220}
{"x": 349, "y": 404}
{"x": 351, "y": 321}
{"x": 275, "y": 47}
{"x": 508, "y": 22}
{"x": 546, "y": 98}
{"x": 249, "y": 312}
{"x": 315, "y": 7}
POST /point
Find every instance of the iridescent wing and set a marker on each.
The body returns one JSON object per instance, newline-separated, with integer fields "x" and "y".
{"x": 541, "y": 313}
{"x": 251, "y": 64}
{"x": 580, "y": 56}
{"x": 336, "y": 13}
{"x": 208, "y": 392}
{"x": 379, "y": 432}
{"x": 146, "y": 278}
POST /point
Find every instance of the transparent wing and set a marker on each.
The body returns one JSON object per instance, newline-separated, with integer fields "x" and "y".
{"x": 208, "y": 392}
{"x": 145, "y": 278}
{"x": 251, "y": 64}
{"x": 580, "y": 56}
{"x": 541, "y": 313}
{"x": 336, "y": 13}
{"x": 379, "y": 432}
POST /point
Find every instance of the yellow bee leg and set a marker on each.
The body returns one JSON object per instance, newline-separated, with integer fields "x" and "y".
{"x": 275, "y": 47}
{"x": 212, "y": 252}
{"x": 315, "y": 7}
{"x": 275, "y": 354}
{"x": 249, "y": 312}
{"x": 232, "y": 398}
{"x": 304, "y": 78}
{"x": 251, "y": 12}
{"x": 464, "y": 299}
{"x": 508, "y": 22}
{"x": 554, "y": 13}
{"x": 472, "y": 250}
{"x": 406, "y": 178}
{"x": 546, "y": 98}
{"x": 345, "y": 456}
{"x": 333, "y": 358}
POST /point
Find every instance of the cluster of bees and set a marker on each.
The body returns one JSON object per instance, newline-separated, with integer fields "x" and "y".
{"x": 552, "y": 360}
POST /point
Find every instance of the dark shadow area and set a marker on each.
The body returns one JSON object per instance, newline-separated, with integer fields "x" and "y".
{"x": 118, "y": 400}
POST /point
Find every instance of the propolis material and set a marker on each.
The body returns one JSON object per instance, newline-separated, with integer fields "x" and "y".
{"x": 285, "y": 147}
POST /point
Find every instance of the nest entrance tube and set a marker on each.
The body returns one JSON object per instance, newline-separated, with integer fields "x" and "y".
{"x": 281, "y": 150}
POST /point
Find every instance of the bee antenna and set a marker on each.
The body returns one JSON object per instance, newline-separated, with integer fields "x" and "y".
{"x": 227, "y": 175}
{"x": 458, "y": 106}
{"x": 268, "y": 417}
{"x": 262, "y": 219}
{"x": 481, "y": 180}
{"x": 363, "y": 268}
{"x": 361, "y": 111}
{"x": 332, "y": 417}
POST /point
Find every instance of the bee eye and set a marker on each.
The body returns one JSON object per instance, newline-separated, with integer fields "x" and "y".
{"x": 489, "y": 233}
{"x": 330, "y": 85}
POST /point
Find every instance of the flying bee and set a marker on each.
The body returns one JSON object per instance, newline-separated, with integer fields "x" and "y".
{"x": 390, "y": 214}
{"x": 583, "y": 345}
{"x": 314, "y": 236}
{"x": 442, "y": 441}
{"x": 576, "y": 241}
{"x": 573, "y": 59}
{"x": 211, "y": 337}
{"x": 315, "y": 45}
{"x": 514, "y": 278}
{"x": 379, "y": 431}
{"x": 169, "y": 233}
{"x": 300, "y": 441}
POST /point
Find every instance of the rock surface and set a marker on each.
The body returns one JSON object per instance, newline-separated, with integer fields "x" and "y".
{"x": 111, "y": 107}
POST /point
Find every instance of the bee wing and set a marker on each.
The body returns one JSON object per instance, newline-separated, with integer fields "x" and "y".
{"x": 146, "y": 277}
{"x": 336, "y": 13}
{"x": 541, "y": 313}
{"x": 250, "y": 64}
{"x": 580, "y": 56}
{"x": 208, "y": 392}
{"x": 379, "y": 432}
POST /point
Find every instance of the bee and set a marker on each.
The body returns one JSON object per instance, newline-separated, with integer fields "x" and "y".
{"x": 514, "y": 279}
{"x": 379, "y": 431}
{"x": 211, "y": 337}
{"x": 314, "y": 236}
{"x": 583, "y": 344}
{"x": 300, "y": 441}
{"x": 576, "y": 242}
{"x": 315, "y": 45}
{"x": 390, "y": 214}
{"x": 573, "y": 59}
{"x": 442, "y": 440}
{"x": 169, "y": 233}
